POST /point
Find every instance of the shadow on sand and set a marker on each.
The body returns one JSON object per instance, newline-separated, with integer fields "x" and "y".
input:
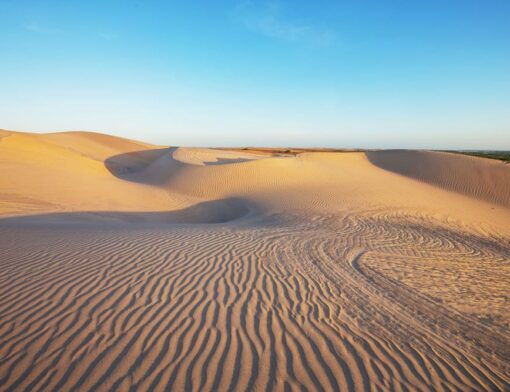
{"x": 131, "y": 166}
{"x": 154, "y": 167}
{"x": 151, "y": 167}
{"x": 209, "y": 212}
{"x": 226, "y": 161}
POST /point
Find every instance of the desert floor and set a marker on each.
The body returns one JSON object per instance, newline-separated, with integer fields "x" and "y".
{"x": 128, "y": 266}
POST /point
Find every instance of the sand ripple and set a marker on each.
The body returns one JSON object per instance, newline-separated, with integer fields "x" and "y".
{"x": 298, "y": 305}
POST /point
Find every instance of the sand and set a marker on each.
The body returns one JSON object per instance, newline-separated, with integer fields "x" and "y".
{"x": 129, "y": 266}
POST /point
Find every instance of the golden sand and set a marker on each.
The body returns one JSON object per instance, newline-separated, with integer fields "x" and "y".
{"x": 128, "y": 266}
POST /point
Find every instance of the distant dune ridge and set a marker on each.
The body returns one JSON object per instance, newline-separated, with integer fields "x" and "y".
{"x": 129, "y": 266}
{"x": 482, "y": 178}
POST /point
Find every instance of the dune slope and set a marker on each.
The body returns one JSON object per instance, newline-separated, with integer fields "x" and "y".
{"x": 126, "y": 266}
{"x": 479, "y": 177}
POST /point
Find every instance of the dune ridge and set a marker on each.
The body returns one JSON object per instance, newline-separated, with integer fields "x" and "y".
{"x": 474, "y": 176}
{"x": 162, "y": 268}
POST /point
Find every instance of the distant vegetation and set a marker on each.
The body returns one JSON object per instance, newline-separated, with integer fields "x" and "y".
{"x": 499, "y": 155}
{"x": 490, "y": 154}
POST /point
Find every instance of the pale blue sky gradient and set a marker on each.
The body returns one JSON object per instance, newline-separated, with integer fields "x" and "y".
{"x": 394, "y": 73}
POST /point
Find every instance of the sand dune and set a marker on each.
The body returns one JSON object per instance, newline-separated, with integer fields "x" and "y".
{"x": 482, "y": 178}
{"x": 127, "y": 266}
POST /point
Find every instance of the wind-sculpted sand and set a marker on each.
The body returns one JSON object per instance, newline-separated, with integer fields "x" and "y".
{"x": 126, "y": 266}
{"x": 482, "y": 178}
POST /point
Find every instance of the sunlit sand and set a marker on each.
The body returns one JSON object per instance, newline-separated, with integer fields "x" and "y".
{"x": 129, "y": 266}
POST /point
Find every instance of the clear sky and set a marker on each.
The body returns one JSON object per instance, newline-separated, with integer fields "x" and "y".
{"x": 373, "y": 73}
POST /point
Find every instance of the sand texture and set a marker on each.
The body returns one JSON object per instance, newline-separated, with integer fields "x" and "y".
{"x": 129, "y": 267}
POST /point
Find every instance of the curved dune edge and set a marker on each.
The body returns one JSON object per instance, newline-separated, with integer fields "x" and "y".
{"x": 127, "y": 266}
{"x": 485, "y": 179}
{"x": 207, "y": 156}
{"x": 209, "y": 212}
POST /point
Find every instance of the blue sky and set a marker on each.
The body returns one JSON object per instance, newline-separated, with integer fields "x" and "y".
{"x": 399, "y": 73}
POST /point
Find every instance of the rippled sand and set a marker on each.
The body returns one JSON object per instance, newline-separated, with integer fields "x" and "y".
{"x": 126, "y": 266}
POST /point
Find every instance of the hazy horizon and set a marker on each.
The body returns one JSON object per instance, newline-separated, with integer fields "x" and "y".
{"x": 278, "y": 73}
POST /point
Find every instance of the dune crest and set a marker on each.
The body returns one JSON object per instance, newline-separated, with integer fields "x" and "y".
{"x": 128, "y": 266}
{"x": 473, "y": 176}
